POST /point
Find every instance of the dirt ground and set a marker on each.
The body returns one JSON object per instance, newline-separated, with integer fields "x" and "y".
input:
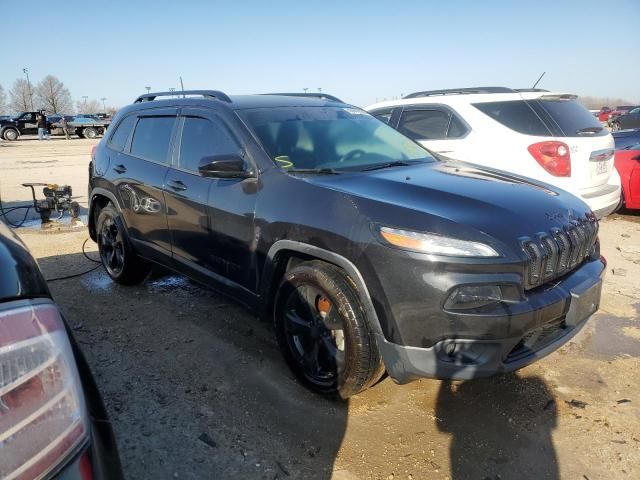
{"x": 196, "y": 387}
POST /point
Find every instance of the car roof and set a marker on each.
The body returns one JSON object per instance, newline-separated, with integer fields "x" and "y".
{"x": 466, "y": 98}
{"x": 233, "y": 102}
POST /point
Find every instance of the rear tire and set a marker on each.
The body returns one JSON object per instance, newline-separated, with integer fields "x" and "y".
{"x": 323, "y": 333}
{"x": 90, "y": 132}
{"x": 10, "y": 134}
{"x": 116, "y": 253}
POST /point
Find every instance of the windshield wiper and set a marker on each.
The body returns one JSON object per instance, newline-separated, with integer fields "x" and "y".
{"x": 589, "y": 130}
{"x": 397, "y": 163}
{"x": 319, "y": 171}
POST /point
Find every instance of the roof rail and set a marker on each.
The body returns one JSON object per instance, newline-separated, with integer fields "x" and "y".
{"x": 323, "y": 96}
{"x": 460, "y": 91}
{"x": 149, "y": 97}
{"x": 530, "y": 90}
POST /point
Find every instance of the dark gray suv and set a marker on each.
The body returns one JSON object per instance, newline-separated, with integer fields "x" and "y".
{"x": 367, "y": 252}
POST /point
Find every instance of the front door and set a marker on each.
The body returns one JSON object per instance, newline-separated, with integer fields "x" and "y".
{"x": 211, "y": 219}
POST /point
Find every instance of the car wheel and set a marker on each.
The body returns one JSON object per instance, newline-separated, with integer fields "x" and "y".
{"x": 116, "y": 252}
{"x": 323, "y": 332}
{"x": 90, "y": 132}
{"x": 10, "y": 134}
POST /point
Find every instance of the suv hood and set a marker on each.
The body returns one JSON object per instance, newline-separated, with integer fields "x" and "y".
{"x": 497, "y": 203}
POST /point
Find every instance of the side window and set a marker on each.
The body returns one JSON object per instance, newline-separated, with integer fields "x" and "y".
{"x": 424, "y": 124}
{"x": 383, "y": 115}
{"x": 152, "y": 137}
{"x": 456, "y": 129}
{"x": 121, "y": 134}
{"x": 203, "y": 138}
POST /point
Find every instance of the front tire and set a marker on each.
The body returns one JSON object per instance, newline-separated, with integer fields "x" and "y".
{"x": 323, "y": 332}
{"x": 116, "y": 253}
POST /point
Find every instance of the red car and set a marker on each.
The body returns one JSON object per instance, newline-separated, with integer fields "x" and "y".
{"x": 627, "y": 163}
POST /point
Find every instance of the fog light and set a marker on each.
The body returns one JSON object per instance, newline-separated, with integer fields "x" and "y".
{"x": 473, "y": 296}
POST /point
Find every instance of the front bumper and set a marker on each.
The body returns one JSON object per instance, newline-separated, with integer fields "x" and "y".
{"x": 527, "y": 336}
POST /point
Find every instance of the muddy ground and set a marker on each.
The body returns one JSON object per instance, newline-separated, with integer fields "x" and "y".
{"x": 196, "y": 388}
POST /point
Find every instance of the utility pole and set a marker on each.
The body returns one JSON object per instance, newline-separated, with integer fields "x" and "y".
{"x": 319, "y": 89}
{"x": 25, "y": 70}
{"x": 104, "y": 109}
{"x": 305, "y": 90}
{"x": 148, "y": 89}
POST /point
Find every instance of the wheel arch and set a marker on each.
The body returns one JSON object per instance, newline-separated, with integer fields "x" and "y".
{"x": 284, "y": 254}
{"x": 97, "y": 200}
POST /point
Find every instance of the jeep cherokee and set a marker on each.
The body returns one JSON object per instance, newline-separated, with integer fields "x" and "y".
{"x": 366, "y": 251}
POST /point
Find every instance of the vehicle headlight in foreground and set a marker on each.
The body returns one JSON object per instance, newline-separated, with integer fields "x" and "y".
{"x": 42, "y": 411}
{"x": 436, "y": 244}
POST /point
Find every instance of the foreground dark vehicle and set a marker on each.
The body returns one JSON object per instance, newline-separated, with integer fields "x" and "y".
{"x": 365, "y": 251}
{"x": 52, "y": 420}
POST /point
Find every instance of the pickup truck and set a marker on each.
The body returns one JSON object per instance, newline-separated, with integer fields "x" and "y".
{"x": 25, "y": 124}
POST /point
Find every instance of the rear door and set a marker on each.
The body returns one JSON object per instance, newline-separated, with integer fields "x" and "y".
{"x": 436, "y": 127}
{"x": 139, "y": 173}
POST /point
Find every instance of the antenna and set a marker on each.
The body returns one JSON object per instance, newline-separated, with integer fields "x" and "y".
{"x": 538, "y": 81}
{"x": 182, "y": 86}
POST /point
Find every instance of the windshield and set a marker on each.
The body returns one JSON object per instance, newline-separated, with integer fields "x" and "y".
{"x": 330, "y": 138}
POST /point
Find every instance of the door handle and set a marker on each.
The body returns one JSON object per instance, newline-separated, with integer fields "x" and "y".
{"x": 120, "y": 168}
{"x": 176, "y": 185}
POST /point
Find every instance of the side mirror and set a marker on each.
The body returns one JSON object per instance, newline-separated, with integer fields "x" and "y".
{"x": 223, "y": 166}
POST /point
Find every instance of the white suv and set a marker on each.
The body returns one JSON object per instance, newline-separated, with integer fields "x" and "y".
{"x": 534, "y": 133}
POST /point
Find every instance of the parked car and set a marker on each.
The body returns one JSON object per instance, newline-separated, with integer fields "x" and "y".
{"x": 628, "y": 165}
{"x": 52, "y": 420}
{"x": 628, "y": 120}
{"x": 538, "y": 134}
{"x": 619, "y": 110}
{"x": 603, "y": 114}
{"x": 624, "y": 138}
{"x": 365, "y": 251}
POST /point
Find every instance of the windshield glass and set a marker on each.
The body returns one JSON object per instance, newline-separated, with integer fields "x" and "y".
{"x": 329, "y": 138}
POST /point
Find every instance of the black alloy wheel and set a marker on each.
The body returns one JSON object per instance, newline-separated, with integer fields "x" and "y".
{"x": 111, "y": 246}
{"x": 315, "y": 335}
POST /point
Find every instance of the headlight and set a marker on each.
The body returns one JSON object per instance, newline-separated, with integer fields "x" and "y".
{"x": 436, "y": 244}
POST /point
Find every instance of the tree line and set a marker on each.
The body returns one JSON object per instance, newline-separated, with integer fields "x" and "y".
{"x": 49, "y": 94}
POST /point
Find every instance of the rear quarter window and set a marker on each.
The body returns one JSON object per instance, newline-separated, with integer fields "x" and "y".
{"x": 120, "y": 136}
{"x": 516, "y": 115}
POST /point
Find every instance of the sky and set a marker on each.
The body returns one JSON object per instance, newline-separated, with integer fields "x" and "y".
{"x": 360, "y": 51}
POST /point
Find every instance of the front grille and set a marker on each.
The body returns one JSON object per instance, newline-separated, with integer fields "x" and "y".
{"x": 557, "y": 252}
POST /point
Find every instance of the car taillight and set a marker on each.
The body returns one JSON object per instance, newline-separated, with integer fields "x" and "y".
{"x": 42, "y": 411}
{"x": 553, "y": 156}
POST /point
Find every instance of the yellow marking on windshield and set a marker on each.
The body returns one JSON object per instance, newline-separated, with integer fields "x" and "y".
{"x": 284, "y": 161}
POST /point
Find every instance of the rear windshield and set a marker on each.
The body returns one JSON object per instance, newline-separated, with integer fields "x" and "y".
{"x": 329, "y": 137}
{"x": 544, "y": 117}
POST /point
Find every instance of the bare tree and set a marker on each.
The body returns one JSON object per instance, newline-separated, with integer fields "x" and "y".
{"x": 111, "y": 111}
{"x": 3, "y": 101}
{"x": 596, "y": 103}
{"x": 91, "y": 106}
{"x": 52, "y": 96}
{"x": 20, "y": 96}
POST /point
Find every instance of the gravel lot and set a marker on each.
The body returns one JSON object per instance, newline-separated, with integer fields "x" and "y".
{"x": 196, "y": 388}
